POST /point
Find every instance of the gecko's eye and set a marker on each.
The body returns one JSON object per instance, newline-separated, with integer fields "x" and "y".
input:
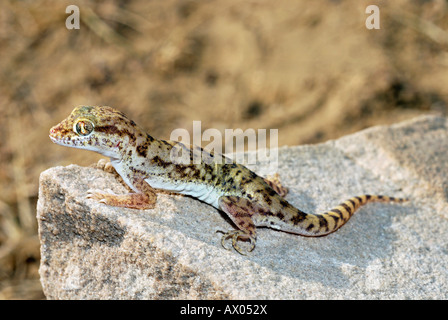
{"x": 83, "y": 127}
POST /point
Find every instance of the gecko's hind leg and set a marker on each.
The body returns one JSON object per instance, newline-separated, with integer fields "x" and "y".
{"x": 240, "y": 210}
{"x": 274, "y": 182}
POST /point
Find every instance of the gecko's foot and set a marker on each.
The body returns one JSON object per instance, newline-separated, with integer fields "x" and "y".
{"x": 236, "y": 235}
{"x": 105, "y": 165}
{"x": 131, "y": 200}
{"x": 100, "y": 196}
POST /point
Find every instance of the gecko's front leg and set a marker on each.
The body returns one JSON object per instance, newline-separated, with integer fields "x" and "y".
{"x": 106, "y": 166}
{"x": 145, "y": 198}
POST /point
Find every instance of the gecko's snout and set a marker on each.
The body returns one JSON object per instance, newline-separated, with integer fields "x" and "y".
{"x": 52, "y": 135}
{"x": 53, "y": 132}
{"x": 56, "y": 133}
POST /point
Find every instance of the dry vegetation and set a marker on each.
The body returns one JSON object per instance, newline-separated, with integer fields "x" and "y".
{"x": 308, "y": 68}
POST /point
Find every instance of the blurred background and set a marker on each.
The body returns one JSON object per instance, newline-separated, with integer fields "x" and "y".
{"x": 310, "y": 69}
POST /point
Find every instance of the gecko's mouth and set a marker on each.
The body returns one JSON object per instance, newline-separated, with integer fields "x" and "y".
{"x": 66, "y": 141}
{"x": 58, "y": 137}
{"x": 53, "y": 138}
{"x": 54, "y": 134}
{"x": 58, "y": 140}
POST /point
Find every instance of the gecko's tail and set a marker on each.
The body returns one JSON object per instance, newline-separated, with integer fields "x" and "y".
{"x": 315, "y": 225}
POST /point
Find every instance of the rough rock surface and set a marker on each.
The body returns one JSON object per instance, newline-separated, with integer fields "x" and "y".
{"x": 386, "y": 251}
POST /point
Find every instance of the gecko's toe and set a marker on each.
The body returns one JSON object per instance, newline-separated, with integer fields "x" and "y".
{"x": 236, "y": 235}
{"x": 224, "y": 239}
{"x": 95, "y": 194}
{"x": 105, "y": 165}
{"x": 99, "y": 196}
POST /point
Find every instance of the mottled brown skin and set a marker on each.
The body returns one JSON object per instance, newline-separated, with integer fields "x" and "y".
{"x": 146, "y": 164}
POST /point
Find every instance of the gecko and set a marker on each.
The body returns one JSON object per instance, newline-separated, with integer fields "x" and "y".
{"x": 145, "y": 165}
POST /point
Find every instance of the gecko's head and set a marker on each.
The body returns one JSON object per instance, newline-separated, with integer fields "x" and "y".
{"x": 101, "y": 129}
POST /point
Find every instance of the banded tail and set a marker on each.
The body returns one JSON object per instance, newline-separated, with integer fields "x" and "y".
{"x": 316, "y": 225}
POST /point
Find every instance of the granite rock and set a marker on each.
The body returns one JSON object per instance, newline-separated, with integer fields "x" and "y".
{"x": 386, "y": 251}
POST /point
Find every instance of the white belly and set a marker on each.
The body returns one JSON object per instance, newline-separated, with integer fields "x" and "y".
{"x": 202, "y": 192}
